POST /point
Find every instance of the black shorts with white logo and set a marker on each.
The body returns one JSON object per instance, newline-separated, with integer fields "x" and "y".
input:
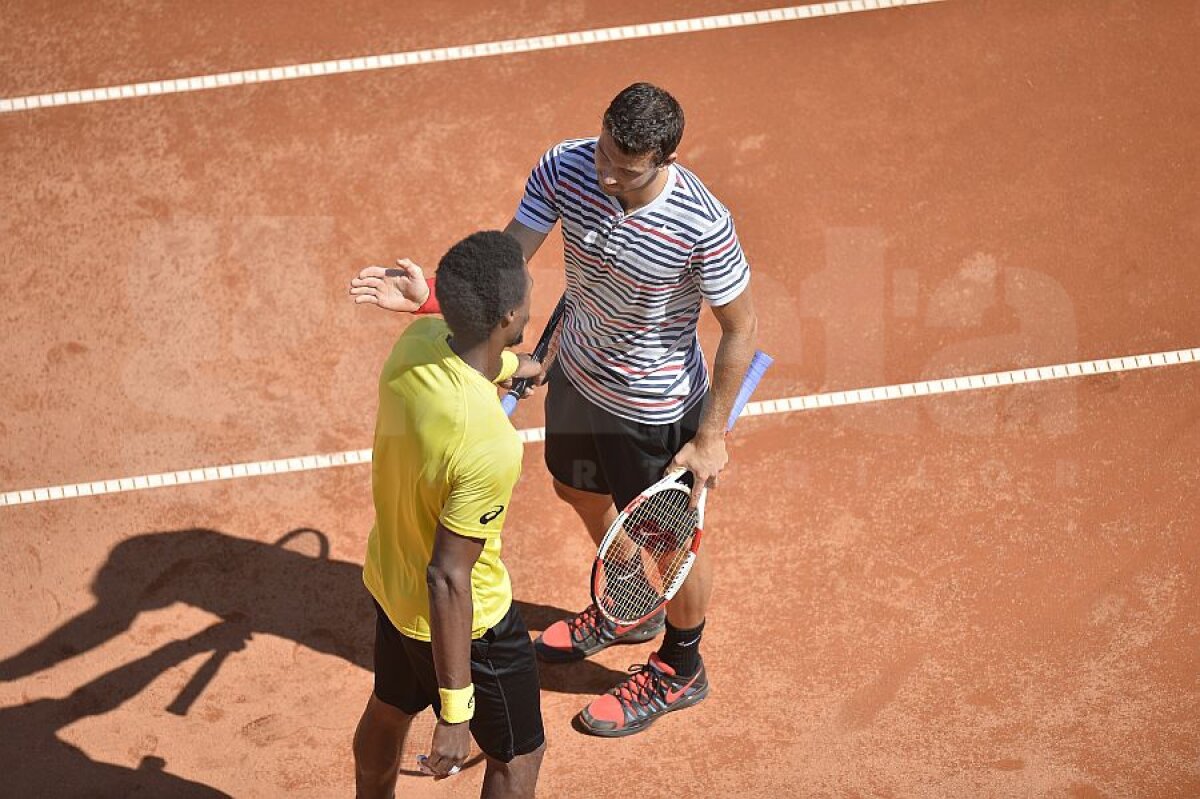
{"x": 590, "y": 449}
{"x": 508, "y": 708}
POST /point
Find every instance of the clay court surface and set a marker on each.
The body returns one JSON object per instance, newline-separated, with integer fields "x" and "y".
{"x": 981, "y": 594}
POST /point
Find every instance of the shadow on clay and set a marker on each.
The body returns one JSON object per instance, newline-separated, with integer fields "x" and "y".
{"x": 253, "y": 587}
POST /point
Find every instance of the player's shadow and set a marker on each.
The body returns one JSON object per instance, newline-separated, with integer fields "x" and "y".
{"x": 35, "y": 761}
{"x": 279, "y": 589}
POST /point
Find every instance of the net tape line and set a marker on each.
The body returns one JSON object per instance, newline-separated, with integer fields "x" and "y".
{"x": 343, "y": 66}
{"x": 833, "y": 399}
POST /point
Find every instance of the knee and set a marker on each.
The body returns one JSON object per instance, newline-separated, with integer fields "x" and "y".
{"x": 531, "y": 758}
{"x": 523, "y": 768}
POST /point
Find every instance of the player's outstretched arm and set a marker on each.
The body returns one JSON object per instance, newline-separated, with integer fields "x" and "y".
{"x": 401, "y": 288}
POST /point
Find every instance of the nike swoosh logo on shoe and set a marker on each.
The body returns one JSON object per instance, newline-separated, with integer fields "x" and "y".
{"x": 672, "y": 696}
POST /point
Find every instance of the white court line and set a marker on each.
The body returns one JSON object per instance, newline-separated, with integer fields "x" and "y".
{"x": 342, "y": 66}
{"x": 531, "y": 435}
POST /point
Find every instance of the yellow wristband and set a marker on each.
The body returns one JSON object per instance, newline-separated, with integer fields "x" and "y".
{"x": 458, "y": 704}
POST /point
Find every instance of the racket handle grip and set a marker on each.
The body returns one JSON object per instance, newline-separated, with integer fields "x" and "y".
{"x": 509, "y": 403}
{"x": 758, "y": 368}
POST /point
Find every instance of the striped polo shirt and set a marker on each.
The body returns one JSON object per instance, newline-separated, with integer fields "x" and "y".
{"x": 635, "y": 282}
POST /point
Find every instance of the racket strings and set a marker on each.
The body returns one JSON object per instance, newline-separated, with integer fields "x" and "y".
{"x": 643, "y": 561}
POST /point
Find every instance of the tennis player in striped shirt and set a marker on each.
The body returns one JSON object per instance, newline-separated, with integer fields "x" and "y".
{"x": 629, "y": 396}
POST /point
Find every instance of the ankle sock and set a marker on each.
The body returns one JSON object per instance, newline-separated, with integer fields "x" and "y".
{"x": 681, "y": 649}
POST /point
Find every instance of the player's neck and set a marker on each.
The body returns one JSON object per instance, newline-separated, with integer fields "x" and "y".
{"x": 635, "y": 200}
{"x": 483, "y": 356}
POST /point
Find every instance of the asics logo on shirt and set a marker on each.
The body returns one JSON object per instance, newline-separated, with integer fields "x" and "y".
{"x": 492, "y": 514}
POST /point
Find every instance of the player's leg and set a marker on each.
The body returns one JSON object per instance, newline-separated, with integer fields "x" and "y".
{"x": 596, "y": 511}
{"x": 579, "y": 479}
{"x": 507, "y": 724}
{"x": 398, "y": 696}
{"x": 515, "y": 779}
{"x": 673, "y": 678}
{"x": 377, "y": 743}
{"x": 689, "y": 606}
{"x": 571, "y": 456}
{"x": 636, "y": 455}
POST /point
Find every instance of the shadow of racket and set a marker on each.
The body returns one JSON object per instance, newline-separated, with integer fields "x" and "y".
{"x": 236, "y": 632}
{"x": 230, "y": 636}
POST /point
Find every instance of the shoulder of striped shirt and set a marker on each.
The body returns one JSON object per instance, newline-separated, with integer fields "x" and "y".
{"x": 576, "y": 143}
{"x": 563, "y": 153}
{"x": 706, "y": 203}
{"x": 573, "y": 146}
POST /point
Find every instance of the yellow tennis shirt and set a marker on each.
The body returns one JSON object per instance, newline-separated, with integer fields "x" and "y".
{"x": 444, "y": 452}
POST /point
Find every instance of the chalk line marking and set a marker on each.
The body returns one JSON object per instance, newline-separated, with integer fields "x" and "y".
{"x": 833, "y": 399}
{"x": 344, "y": 66}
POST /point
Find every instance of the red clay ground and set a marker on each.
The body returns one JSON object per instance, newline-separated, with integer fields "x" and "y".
{"x": 985, "y": 595}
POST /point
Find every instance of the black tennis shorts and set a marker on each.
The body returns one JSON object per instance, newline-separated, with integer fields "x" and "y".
{"x": 508, "y": 706}
{"x": 590, "y": 449}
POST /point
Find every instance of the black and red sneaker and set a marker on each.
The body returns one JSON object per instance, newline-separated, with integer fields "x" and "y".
{"x": 649, "y": 691}
{"x": 588, "y": 632}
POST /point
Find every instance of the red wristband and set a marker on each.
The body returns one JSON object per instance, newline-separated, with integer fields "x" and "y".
{"x": 431, "y": 304}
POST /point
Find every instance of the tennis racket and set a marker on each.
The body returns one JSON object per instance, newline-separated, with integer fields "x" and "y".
{"x": 542, "y": 353}
{"x": 650, "y": 547}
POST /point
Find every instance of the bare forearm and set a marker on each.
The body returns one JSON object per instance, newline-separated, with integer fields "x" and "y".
{"x": 733, "y": 358}
{"x": 450, "y": 614}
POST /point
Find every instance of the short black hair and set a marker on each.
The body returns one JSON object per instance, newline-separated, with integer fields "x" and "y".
{"x": 645, "y": 119}
{"x": 479, "y": 280}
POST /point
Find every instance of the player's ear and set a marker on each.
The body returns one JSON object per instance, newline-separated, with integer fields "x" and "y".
{"x": 670, "y": 159}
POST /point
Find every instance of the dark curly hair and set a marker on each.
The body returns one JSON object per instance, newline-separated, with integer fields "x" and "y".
{"x": 645, "y": 119}
{"x": 479, "y": 280}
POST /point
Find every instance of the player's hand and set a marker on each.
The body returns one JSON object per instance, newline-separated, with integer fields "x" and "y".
{"x": 529, "y": 391}
{"x": 449, "y": 750}
{"x": 539, "y": 379}
{"x": 530, "y": 369}
{"x": 704, "y": 456}
{"x": 402, "y": 288}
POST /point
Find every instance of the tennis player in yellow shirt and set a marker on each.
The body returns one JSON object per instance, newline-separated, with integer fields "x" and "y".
{"x": 445, "y": 461}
